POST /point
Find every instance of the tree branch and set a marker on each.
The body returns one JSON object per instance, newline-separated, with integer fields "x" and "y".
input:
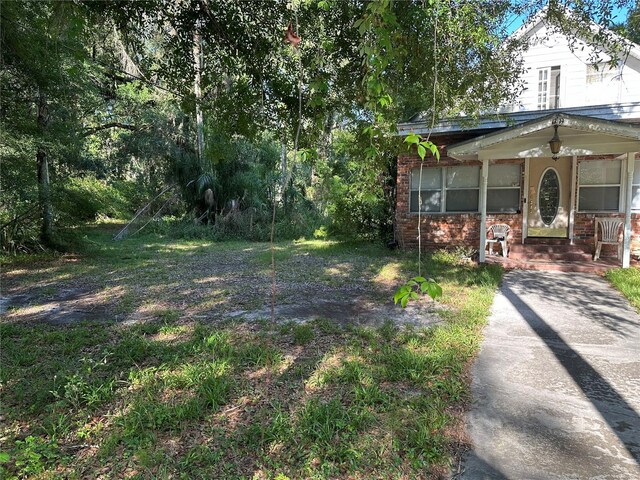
{"x": 125, "y": 126}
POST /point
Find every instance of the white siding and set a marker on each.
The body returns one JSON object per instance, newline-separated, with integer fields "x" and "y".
{"x": 549, "y": 50}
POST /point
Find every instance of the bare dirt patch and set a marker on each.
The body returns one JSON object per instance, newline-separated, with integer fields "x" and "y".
{"x": 67, "y": 306}
{"x": 352, "y": 311}
{"x": 212, "y": 283}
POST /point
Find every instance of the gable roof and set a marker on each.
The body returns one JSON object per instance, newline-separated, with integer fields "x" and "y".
{"x": 541, "y": 17}
{"x": 619, "y": 111}
{"x": 582, "y": 136}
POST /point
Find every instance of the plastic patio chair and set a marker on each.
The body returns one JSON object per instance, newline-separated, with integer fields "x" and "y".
{"x": 499, "y": 233}
{"x": 609, "y": 235}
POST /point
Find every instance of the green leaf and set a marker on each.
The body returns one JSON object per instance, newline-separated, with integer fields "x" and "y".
{"x": 419, "y": 279}
{"x": 434, "y": 290}
{"x": 371, "y": 152}
{"x": 434, "y": 150}
{"x": 399, "y": 294}
{"x": 404, "y": 301}
{"x": 414, "y": 295}
{"x": 412, "y": 138}
{"x": 4, "y": 457}
{"x": 422, "y": 151}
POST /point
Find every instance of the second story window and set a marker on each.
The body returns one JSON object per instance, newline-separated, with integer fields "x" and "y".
{"x": 548, "y": 88}
{"x": 603, "y": 83}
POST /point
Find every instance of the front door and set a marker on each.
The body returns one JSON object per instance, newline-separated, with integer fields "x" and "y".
{"x": 549, "y": 197}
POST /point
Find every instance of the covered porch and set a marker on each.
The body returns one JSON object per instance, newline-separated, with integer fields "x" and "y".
{"x": 576, "y": 170}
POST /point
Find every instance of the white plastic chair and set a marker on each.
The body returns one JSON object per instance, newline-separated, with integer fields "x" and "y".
{"x": 609, "y": 235}
{"x": 499, "y": 233}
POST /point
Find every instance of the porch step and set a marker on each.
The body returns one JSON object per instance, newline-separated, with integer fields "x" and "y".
{"x": 546, "y": 241}
{"x": 564, "y": 256}
{"x": 554, "y": 251}
{"x": 600, "y": 267}
{"x": 550, "y": 248}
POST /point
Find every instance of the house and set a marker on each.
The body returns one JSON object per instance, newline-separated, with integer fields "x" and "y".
{"x": 503, "y": 171}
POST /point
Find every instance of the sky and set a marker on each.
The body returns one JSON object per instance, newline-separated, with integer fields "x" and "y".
{"x": 515, "y": 21}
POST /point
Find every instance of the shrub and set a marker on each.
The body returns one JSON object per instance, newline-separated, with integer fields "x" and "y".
{"x": 87, "y": 198}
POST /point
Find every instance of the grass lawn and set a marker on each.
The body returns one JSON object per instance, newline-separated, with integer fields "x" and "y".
{"x": 129, "y": 360}
{"x": 627, "y": 280}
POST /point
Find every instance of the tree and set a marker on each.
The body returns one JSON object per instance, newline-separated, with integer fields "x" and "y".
{"x": 631, "y": 27}
{"x": 43, "y": 58}
{"x": 108, "y": 87}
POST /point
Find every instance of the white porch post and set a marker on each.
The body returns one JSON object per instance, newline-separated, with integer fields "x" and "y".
{"x": 526, "y": 199}
{"x": 574, "y": 187}
{"x": 484, "y": 175}
{"x": 626, "y": 253}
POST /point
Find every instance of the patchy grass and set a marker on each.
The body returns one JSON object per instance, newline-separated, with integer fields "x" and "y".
{"x": 627, "y": 280}
{"x": 181, "y": 389}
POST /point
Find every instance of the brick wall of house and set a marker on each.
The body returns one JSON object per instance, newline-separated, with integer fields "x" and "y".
{"x": 440, "y": 230}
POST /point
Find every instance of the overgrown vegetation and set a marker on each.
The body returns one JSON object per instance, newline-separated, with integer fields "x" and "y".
{"x": 144, "y": 368}
{"x": 102, "y": 103}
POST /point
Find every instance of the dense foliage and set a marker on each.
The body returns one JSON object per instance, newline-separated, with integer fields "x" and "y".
{"x": 103, "y": 103}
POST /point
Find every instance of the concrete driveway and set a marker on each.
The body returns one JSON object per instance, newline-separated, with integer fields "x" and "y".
{"x": 556, "y": 386}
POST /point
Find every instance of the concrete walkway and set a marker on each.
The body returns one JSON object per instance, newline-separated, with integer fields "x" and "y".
{"x": 556, "y": 386}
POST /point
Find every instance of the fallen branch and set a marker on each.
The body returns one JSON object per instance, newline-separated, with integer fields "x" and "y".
{"x": 19, "y": 217}
{"x": 156, "y": 214}
{"x": 121, "y": 234}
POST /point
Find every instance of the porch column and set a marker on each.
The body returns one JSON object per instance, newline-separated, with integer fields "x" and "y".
{"x": 525, "y": 200}
{"x": 626, "y": 252}
{"x": 484, "y": 175}
{"x": 574, "y": 188}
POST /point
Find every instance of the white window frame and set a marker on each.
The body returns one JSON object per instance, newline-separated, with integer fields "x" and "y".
{"x": 413, "y": 188}
{"x": 636, "y": 168}
{"x": 508, "y": 187}
{"x": 443, "y": 191}
{"x": 600, "y": 73}
{"x": 603, "y": 185}
{"x": 602, "y": 83}
{"x": 544, "y": 81}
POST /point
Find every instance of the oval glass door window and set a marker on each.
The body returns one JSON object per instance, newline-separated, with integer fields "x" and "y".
{"x": 549, "y": 196}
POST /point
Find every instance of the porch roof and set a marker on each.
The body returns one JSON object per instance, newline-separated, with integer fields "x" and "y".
{"x": 580, "y": 135}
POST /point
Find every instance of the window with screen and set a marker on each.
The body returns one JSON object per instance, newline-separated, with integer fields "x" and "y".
{"x": 445, "y": 189}
{"x": 599, "y": 185}
{"x": 429, "y": 190}
{"x": 503, "y": 188}
{"x": 462, "y": 189}
{"x": 635, "y": 187}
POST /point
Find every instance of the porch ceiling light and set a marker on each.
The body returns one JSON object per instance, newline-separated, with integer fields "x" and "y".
{"x": 555, "y": 143}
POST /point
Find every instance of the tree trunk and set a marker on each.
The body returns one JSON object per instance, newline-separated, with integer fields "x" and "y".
{"x": 283, "y": 159}
{"x": 44, "y": 190}
{"x": 197, "y": 58}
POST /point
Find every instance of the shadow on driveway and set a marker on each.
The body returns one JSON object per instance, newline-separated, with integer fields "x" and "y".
{"x": 556, "y": 386}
